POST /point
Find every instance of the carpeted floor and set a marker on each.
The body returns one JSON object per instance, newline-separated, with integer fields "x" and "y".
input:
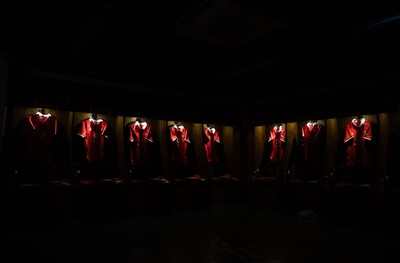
{"x": 221, "y": 234}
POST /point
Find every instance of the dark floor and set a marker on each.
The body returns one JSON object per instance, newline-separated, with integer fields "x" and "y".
{"x": 221, "y": 233}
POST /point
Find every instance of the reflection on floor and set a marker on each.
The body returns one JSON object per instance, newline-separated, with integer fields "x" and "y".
{"x": 220, "y": 234}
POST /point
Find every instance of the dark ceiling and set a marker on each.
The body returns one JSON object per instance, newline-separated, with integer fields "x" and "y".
{"x": 247, "y": 52}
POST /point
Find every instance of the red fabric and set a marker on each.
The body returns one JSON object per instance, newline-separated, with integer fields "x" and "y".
{"x": 313, "y": 136}
{"x": 212, "y": 144}
{"x": 94, "y": 134}
{"x": 40, "y": 138}
{"x": 277, "y": 136}
{"x": 139, "y": 136}
{"x": 358, "y": 134}
{"x": 180, "y": 139}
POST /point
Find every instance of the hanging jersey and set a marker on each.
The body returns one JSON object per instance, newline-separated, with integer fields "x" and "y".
{"x": 179, "y": 139}
{"x": 277, "y": 136}
{"x": 212, "y": 145}
{"x": 39, "y": 133}
{"x": 358, "y": 135}
{"x": 313, "y": 138}
{"x": 94, "y": 133}
{"x": 140, "y": 138}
